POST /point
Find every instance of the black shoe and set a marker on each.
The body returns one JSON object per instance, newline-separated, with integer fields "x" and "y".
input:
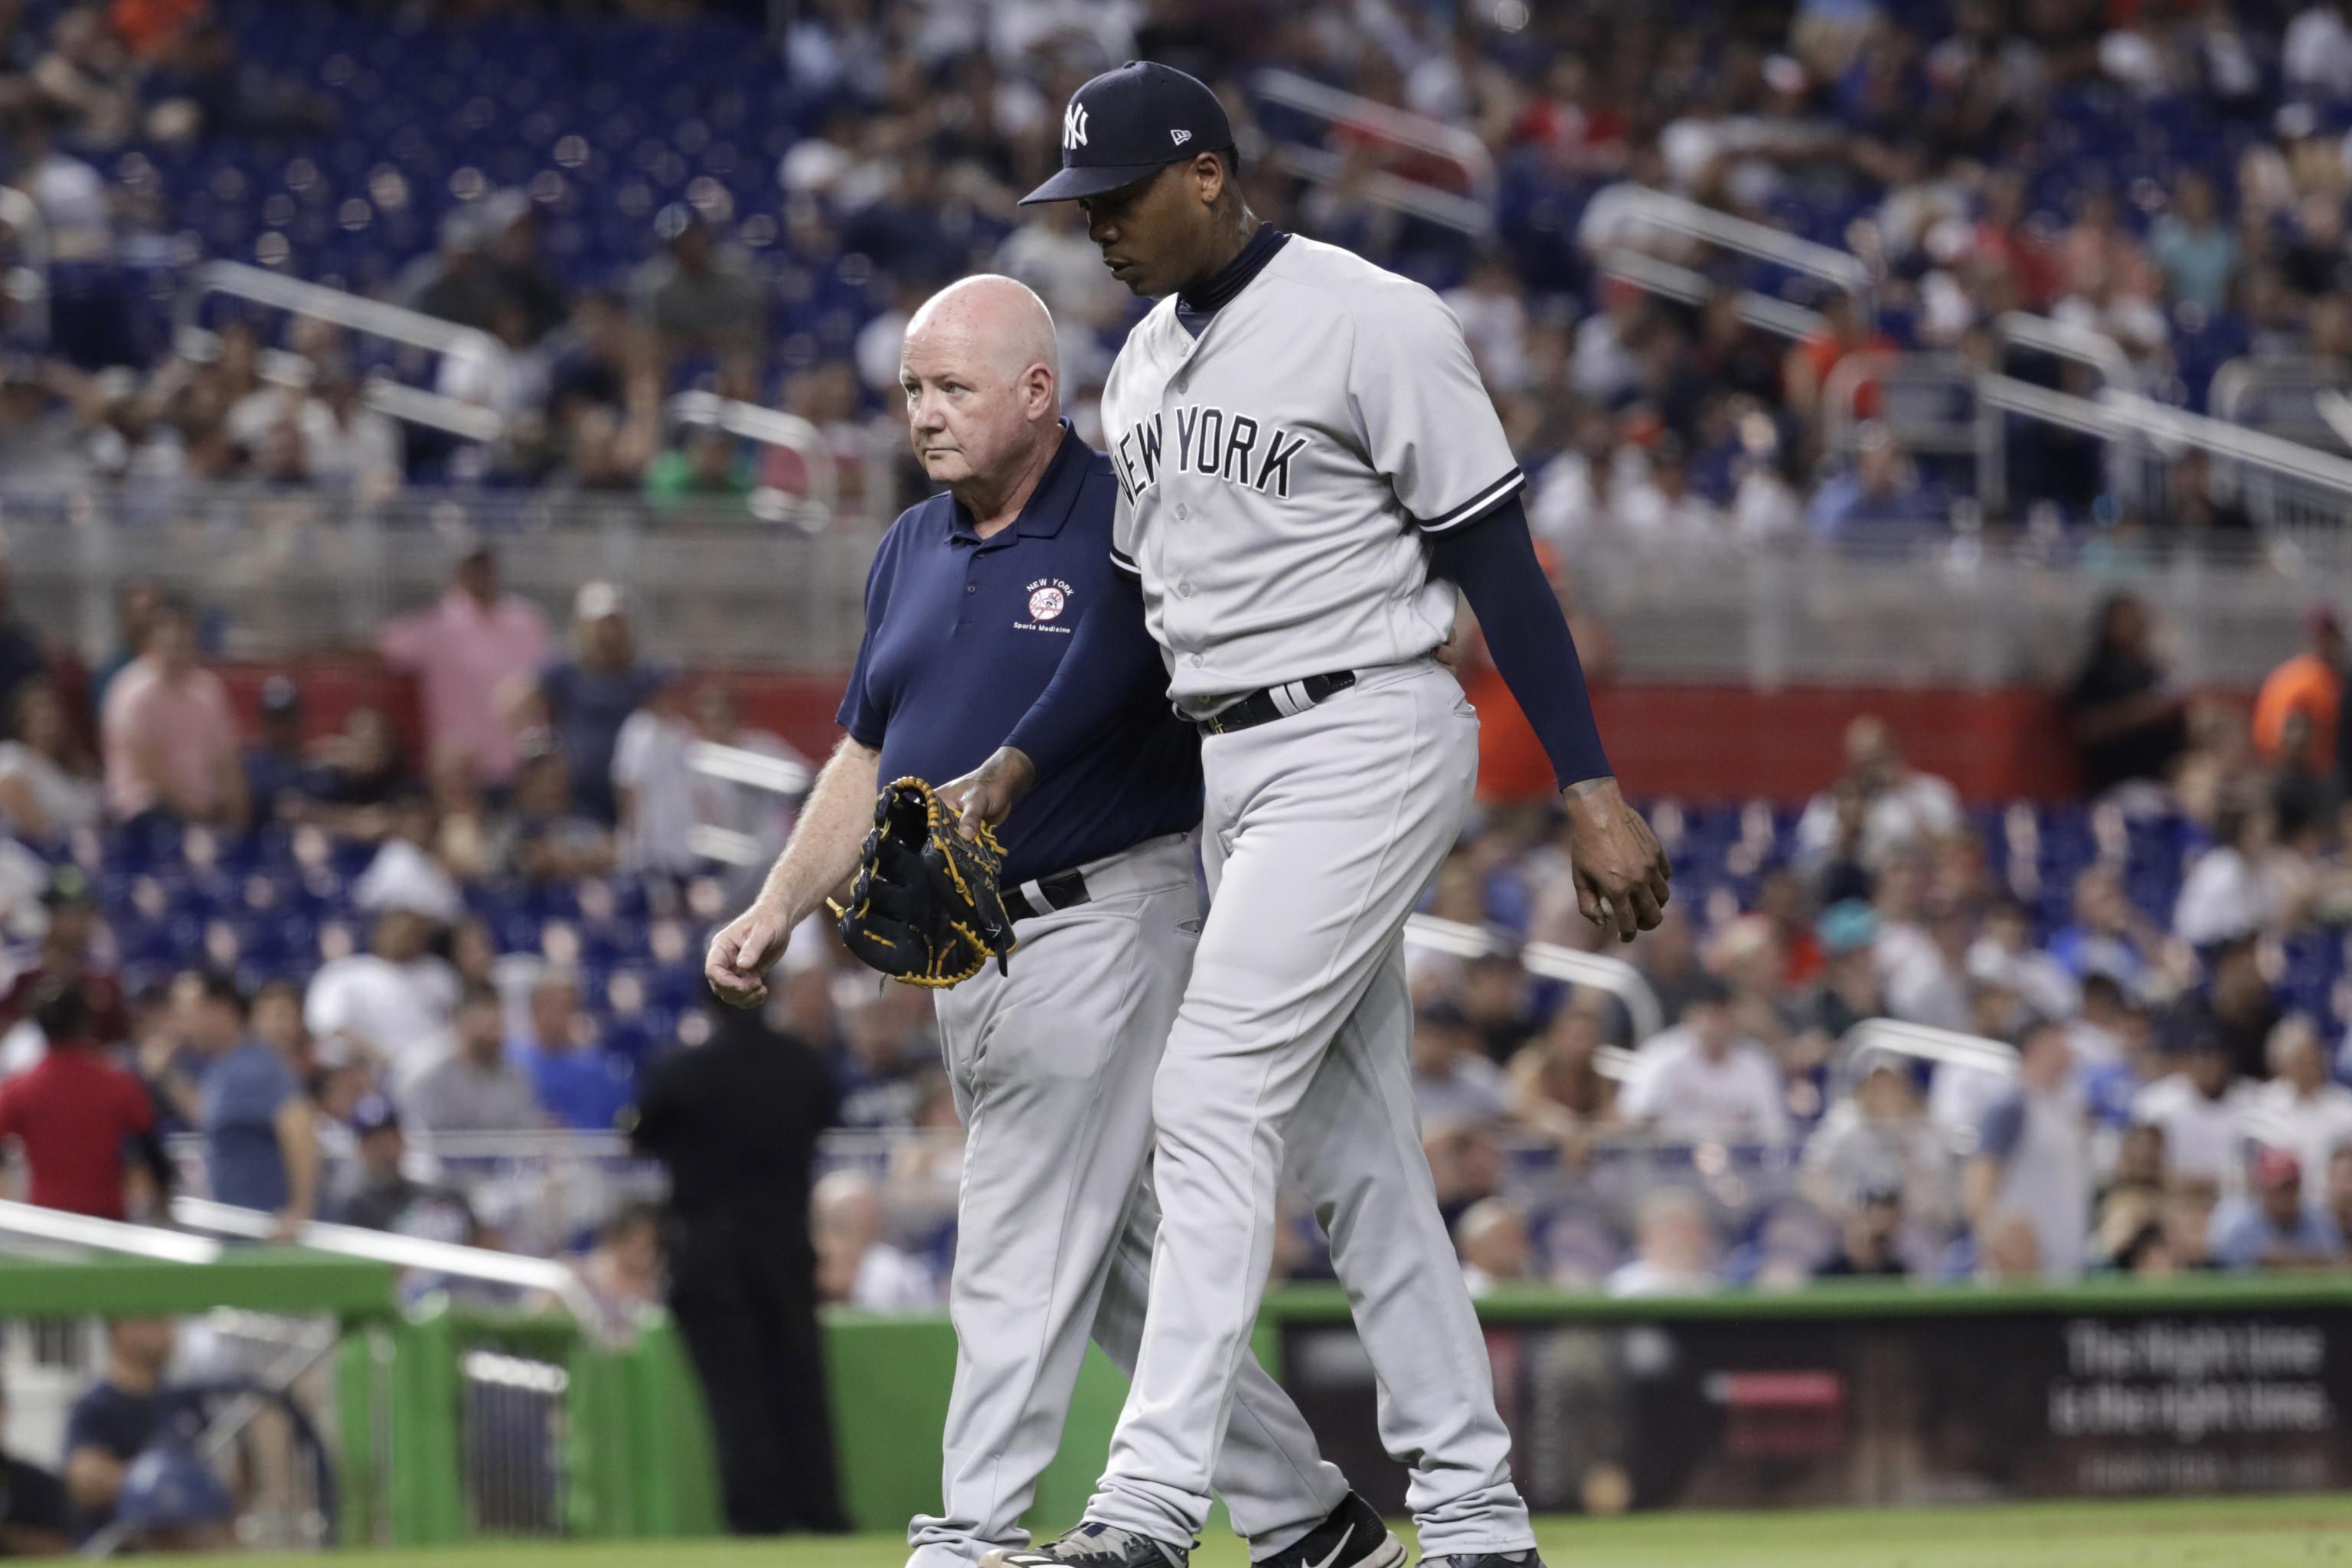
{"x": 1354, "y": 1536}
{"x": 1530, "y": 1558}
{"x": 1094, "y": 1546}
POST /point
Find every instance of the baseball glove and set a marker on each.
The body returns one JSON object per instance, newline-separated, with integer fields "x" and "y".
{"x": 925, "y": 908}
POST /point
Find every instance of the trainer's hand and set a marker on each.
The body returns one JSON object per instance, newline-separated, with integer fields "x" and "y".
{"x": 742, "y": 951}
{"x": 1622, "y": 874}
{"x": 988, "y": 792}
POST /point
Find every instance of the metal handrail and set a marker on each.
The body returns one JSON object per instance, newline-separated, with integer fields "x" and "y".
{"x": 108, "y": 1234}
{"x": 2239, "y": 378}
{"x": 401, "y": 1251}
{"x": 1550, "y": 961}
{"x": 354, "y": 312}
{"x": 22, "y": 215}
{"x": 1930, "y": 1045}
{"x": 1471, "y": 214}
{"x": 1680, "y": 215}
{"x": 770, "y": 427}
{"x": 2067, "y": 340}
{"x": 392, "y": 399}
{"x": 1760, "y": 310}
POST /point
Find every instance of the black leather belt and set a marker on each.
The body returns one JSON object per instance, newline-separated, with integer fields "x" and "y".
{"x": 1276, "y": 702}
{"x": 1063, "y": 892}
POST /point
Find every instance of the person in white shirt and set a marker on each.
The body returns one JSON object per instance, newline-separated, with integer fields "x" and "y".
{"x": 1492, "y": 1241}
{"x": 1674, "y": 1248}
{"x": 2031, "y": 1172}
{"x": 2242, "y": 884}
{"x": 1908, "y": 809}
{"x": 2201, "y": 1106}
{"x": 1703, "y": 1080}
{"x": 2300, "y": 1110}
{"x": 1453, "y": 1084}
{"x": 853, "y": 1264}
{"x": 393, "y": 1005}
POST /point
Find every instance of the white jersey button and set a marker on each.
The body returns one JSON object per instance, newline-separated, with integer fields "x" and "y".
{"x": 1182, "y": 512}
{"x": 1183, "y": 590}
{"x": 1197, "y": 661}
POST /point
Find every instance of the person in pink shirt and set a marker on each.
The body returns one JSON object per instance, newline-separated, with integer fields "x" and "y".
{"x": 169, "y": 734}
{"x": 470, "y": 653}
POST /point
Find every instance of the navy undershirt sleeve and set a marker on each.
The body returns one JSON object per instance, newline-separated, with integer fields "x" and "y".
{"x": 1493, "y": 562}
{"x": 1111, "y": 664}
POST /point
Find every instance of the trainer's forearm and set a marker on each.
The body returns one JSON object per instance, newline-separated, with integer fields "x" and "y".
{"x": 823, "y": 849}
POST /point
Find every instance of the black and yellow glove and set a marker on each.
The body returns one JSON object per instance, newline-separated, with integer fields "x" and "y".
{"x": 925, "y": 908}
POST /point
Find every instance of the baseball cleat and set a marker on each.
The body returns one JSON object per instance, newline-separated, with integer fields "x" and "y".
{"x": 1528, "y": 1559}
{"x": 1094, "y": 1546}
{"x": 1354, "y": 1536}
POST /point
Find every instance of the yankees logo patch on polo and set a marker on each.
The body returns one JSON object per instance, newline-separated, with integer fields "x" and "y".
{"x": 1048, "y": 598}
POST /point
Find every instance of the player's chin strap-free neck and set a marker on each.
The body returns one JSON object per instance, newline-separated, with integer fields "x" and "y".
{"x": 1233, "y": 276}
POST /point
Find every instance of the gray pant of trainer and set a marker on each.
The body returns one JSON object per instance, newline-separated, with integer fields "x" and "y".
{"x": 1053, "y": 1067}
{"x": 1292, "y": 1043}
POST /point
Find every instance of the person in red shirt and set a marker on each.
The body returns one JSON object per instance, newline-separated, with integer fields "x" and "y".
{"x": 75, "y": 1114}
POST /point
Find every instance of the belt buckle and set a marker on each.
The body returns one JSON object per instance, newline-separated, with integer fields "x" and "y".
{"x": 1215, "y": 723}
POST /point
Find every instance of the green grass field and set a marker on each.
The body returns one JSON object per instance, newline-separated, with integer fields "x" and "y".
{"x": 2237, "y": 1533}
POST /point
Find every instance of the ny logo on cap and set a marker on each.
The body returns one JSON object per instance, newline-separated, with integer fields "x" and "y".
{"x": 1180, "y": 137}
{"x": 1074, "y": 125}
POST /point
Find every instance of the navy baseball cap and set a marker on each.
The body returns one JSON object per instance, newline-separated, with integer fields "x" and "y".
{"x": 1130, "y": 122}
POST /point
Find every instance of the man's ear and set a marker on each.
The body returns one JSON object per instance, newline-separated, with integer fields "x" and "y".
{"x": 1209, "y": 179}
{"x": 1037, "y": 383}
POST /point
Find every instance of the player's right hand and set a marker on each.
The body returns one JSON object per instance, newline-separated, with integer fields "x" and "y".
{"x": 988, "y": 792}
{"x": 742, "y": 951}
{"x": 1623, "y": 880}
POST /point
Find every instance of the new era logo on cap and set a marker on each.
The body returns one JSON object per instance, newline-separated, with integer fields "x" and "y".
{"x": 1129, "y": 123}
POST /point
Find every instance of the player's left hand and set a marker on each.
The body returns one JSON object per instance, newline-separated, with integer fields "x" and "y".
{"x": 987, "y": 793}
{"x": 1622, "y": 875}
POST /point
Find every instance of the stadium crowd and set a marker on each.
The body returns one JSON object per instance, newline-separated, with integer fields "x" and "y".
{"x": 2171, "y": 175}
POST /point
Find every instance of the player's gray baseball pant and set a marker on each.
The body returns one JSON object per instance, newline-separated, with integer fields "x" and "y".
{"x": 1292, "y": 1043}
{"x": 1053, "y": 1067}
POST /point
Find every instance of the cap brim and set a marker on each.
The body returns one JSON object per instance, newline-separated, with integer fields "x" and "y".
{"x": 1090, "y": 181}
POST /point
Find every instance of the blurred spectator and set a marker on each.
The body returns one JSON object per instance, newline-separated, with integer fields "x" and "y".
{"x": 172, "y": 1500}
{"x": 1848, "y": 992}
{"x": 655, "y": 788}
{"x": 1556, "y": 1084}
{"x": 390, "y": 1006}
{"x": 171, "y": 735}
{"x": 2300, "y": 1110}
{"x": 359, "y": 765}
{"x": 46, "y": 788}
{"x": 2193, "y": 248}
{"x": 2239, "y": 1007}
{"x": 2269, "y": 1227}
{"x": 2124, "y": 713}
{"x": 587, "y": 697}
{"x": 138, "y": 604}
{"x": 386, "y": 1197}
{"x": 717, "y": 711}
{"x": 2201, "y": 1104}
{"x": 2032, "y": 1168}
{"x": 1869, "y": 1224}
{"x": 855, "y": 1266}
{"x": 2109, "y": 935}
{"x": 1452, "y": 1080}
{"x": 1492, "y": 1241}
{"x": 699, "y": 296}
{"x": 77, "y": 1116}
{"x": 2335, "y": 1202}
{"x": 1674, "y": 1248}
{"x": 478, "y": 646}
{"x": 73, "y": 951}
{"x": 261, "y": 1150}
{"x": 736, "y": 1122}
{"x": 407, "y": 872}
{"x": 2244, "y": 884}
{"x": 36, "y": 1519}
{"x": 129, "y": 1411}
{"x": 277, "y": 775}
{"x": 623, "y": 1272}
{"x": 1879, "y": 495}
{"x": 576, "y": 1082}
{"x": 454, "y": 282}
{"x": 1494, "y": 997}
{"x": 1878, "y": 1138}
{"x": 543, "y": 839}
{"x": 1903, "y": 808}
{"x": 2004, "y": 953}
{"x": 2310, "y": 686}
{"x": 1703, "y": 1080}
{"x": 475, "y": 1089}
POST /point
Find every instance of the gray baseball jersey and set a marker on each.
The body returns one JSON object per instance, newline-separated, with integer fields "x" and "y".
{"x": 1275, "y": 472}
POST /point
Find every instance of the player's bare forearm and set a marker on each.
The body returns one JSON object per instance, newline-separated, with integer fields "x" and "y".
{"x": 823, "y": 849}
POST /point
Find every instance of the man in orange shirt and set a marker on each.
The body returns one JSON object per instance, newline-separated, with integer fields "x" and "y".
{"x": 2310, "y": 684}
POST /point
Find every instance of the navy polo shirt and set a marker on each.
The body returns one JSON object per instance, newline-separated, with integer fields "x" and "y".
{"x": 963, "y": 634}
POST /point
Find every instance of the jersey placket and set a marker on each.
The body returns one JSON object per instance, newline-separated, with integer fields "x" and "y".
{"x": 1179, "y": 508}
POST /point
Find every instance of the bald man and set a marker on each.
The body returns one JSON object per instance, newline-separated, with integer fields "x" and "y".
{"x": 970, "y": 607}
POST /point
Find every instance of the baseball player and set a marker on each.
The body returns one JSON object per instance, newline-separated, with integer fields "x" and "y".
{"x": 969, "y": 612}
{"x": 1308, "y": 465}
